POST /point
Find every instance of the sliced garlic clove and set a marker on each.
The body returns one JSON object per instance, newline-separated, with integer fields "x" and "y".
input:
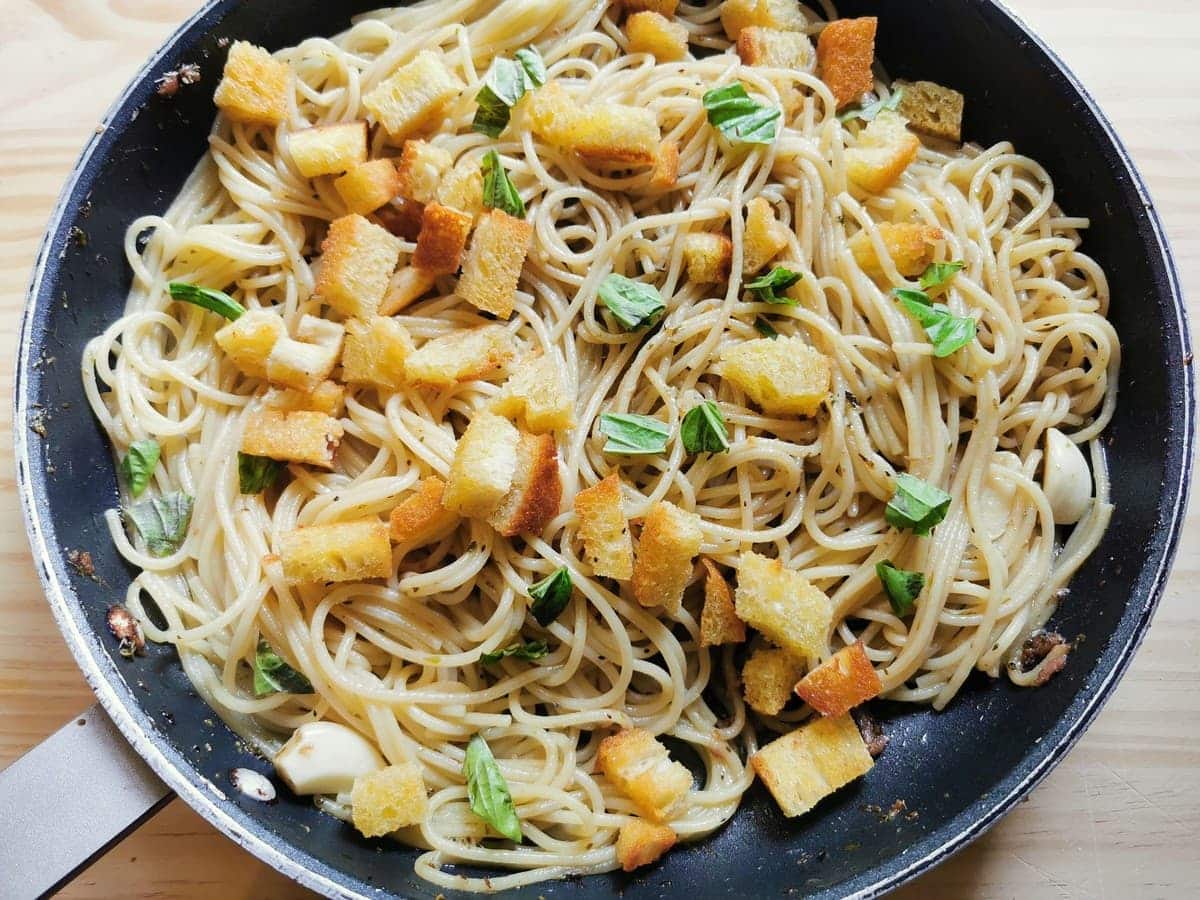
{"x": 1066, "y": 478}
{"x": 996, "y": 497}
{"x": 325, "y": 758}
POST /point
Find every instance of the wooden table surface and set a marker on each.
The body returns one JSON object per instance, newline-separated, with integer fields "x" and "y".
{"x": 1119, "y": 818}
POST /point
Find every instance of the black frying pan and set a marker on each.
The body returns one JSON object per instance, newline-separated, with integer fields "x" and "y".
{"x": 959, "y": 770}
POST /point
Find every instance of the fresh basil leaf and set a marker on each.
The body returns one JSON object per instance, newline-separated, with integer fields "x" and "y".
{"x": 633, "y": 304}
{"x": 138, "y": 464}
{"x": 206, "y": 298}
{"x": 550, "y": 596}
{"x": 741, "y": 118}
{"x": 916, "y": 505}
{"x": 528, "y": 651}
{"x": 871, "y": 111}
{"x": 257, "y": 473}
{"x": 491, "y": 114}
{"x": 632, "y": 435}
{"x": 902, "y": 586}
{"x": 498, "y": 190}
{"x": 939, "y": 273}
{"x": 273, "y": 676}
{"x": 767, "y": 287}
{"x": 703, "y": 429}
{"x": 765, "y": 328}
{"x": 504, "y": 84}
{"x": 162, "y": 521}
{"x": 533, "y": 64}
{"x": 487, "y": 790}
{"x": 947, "y": 332}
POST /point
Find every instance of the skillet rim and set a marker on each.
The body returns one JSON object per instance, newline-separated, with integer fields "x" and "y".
{"x": 209, "y": 801}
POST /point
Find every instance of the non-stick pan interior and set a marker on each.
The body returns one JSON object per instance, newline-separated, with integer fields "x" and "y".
{"x": 955, "y": 770}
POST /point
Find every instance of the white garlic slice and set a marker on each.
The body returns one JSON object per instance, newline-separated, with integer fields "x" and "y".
{"x": 1066, "y": 478}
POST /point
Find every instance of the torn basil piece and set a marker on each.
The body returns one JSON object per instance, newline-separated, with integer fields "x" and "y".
{"x": 871, "y": 111}
{"x": 207, "y": 298}
{"x": 257, "y": 473}
{"x": 917, "y": 505}
{"x": 498, "y": 191}
{"x": 741, "y": 118}
{"x": 630, "y": 434}
{"x": 273, "y": 676}
{"x": 901, "y": 585}
{"x": 138, "y": 464}
{"x": 703, "y": 429}
{"x": 634, "y": 305}
{"x": 939, "y": 274}
{"x": 528, "y": 651}
{"x": 947, "y": 332}
{"x": 767, "y": 288}
{"x": 162, "y": 522}
{"x": 550, "y": 596}
{"x": 505, "y": 83}
{"x": 487, "y": 790}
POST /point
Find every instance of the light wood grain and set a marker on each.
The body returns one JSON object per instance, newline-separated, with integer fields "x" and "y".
{"x": 1119, "y": 818}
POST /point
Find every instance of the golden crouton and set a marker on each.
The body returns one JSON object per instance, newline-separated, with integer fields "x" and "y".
{"x": 249, "y": 340}
{"x": 640, "y": 843}
{"x": 536, "y": 392}
{"x": 306, "y": 362}
{"x": 421, "y": 518}
{"x": 841, "y": 683}
{"x": 810, "y": 763}
{"x": 462, "y": 187}
{"x": 665, "y": 174}
{"x": 375, "y": 352}
{"x": 344, "y": 551}
{"x": 421, "y": 169}
{"x": 783, "y": 15}
{"x": 768, "y": 678}
{"x": 461, "y": 356}
{"x": 781, "y": 603}
{"x": 494, "y": 261}
{"x": 366, "y": 187}
{"x": 536, "y": 491}
{"x": 328, "y": 149}
{"x": 663, "y": 38}
{"x": 357, "y": 261}
{"x": 296, "y": 436}
{"x": 708, "y": 257}
{"x": 662, "y": 568}
{"x": 607, "y": 133}
{"x": 414, "y": 96}
{"x": 255, "y": 88}
{"x": 911, "y": 247}
{"x": 719, "y": 623}
{"x": 406, "y": 286}
{"x": 845, "y": 54}
{"x": 442, "y": 239}
{"x": 884, "y": 150}
{"x": 485, "y": 464}
{"x": 401, "y": 217}
{"x": 642, "y": 769}
{"x": 388, "y": 799}
{"x": 765, "y": 236}
{"x": 932, "y": 109}
{"x": 662, "y": 7}
{"x": 783, "y": 375}
{"x": 327, "y": 397}
{"x": 604, "y": 530}
{"x": 773, "y": 48}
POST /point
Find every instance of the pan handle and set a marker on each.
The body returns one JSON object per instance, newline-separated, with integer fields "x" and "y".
{"x": 68, "y": 800}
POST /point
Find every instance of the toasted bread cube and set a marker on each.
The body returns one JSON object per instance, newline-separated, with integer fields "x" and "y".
{"x": 407, "y": 286}
{"x": 484, "y": 467}
{"x": 807, "y": 765}
{"x": 474, "y": 353}
{"x": 328, "y": 149}
{"x": 607, "y": 133}
{"x": 443, "y": 236}
{"x": 663, "y": 38}
{"x": 911, "y": 247}
{"x": 768, "y": 678}
{"x": 841, "y": 683}
{"x": 414, "y": 96}
{"x": 719, "y": 622}
{"x": 376, "y": 352}
{"x": 782, "y": 375}
{"x": 665, "y": 174}
{"x": 536, "y": 492}
{"x": 708, "y": 257}
{"x": 494, "y": 261}
{"x": 604, "y": 529}
{"x": 845, "y": 54}
{"x": 662, "y": 568}
{"x": 296, "y": 436}
{"x": 641, "y": 768}
{"x": 368, "y": 186}
{"x": 640, "y": 843}
{"x": 774, "y": 49}
{"x": 536, "y": 392}
{"x": 421, "y": 169}
{"x": 389, "y": 799}
{"x": 462, "y": 187}
{"x": 765, "y": 236}
{"x": 791, "y": 612}
{"x": 344, "y": 551}
{"x": 256, "y": 87}
{"x": 303, "y": 364}
{"x": 328, "y": 397}
{"x": 884, "y": 150}
{"x": 401, "y": 217}
{"x": 249, "y": 340}
{"x": 662, "y": 7}
{"x": 932, "y": 109}
{"x": 357, "y": 262}
{"x": 783, "y": 15}
{"x": 421, "y": 518}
